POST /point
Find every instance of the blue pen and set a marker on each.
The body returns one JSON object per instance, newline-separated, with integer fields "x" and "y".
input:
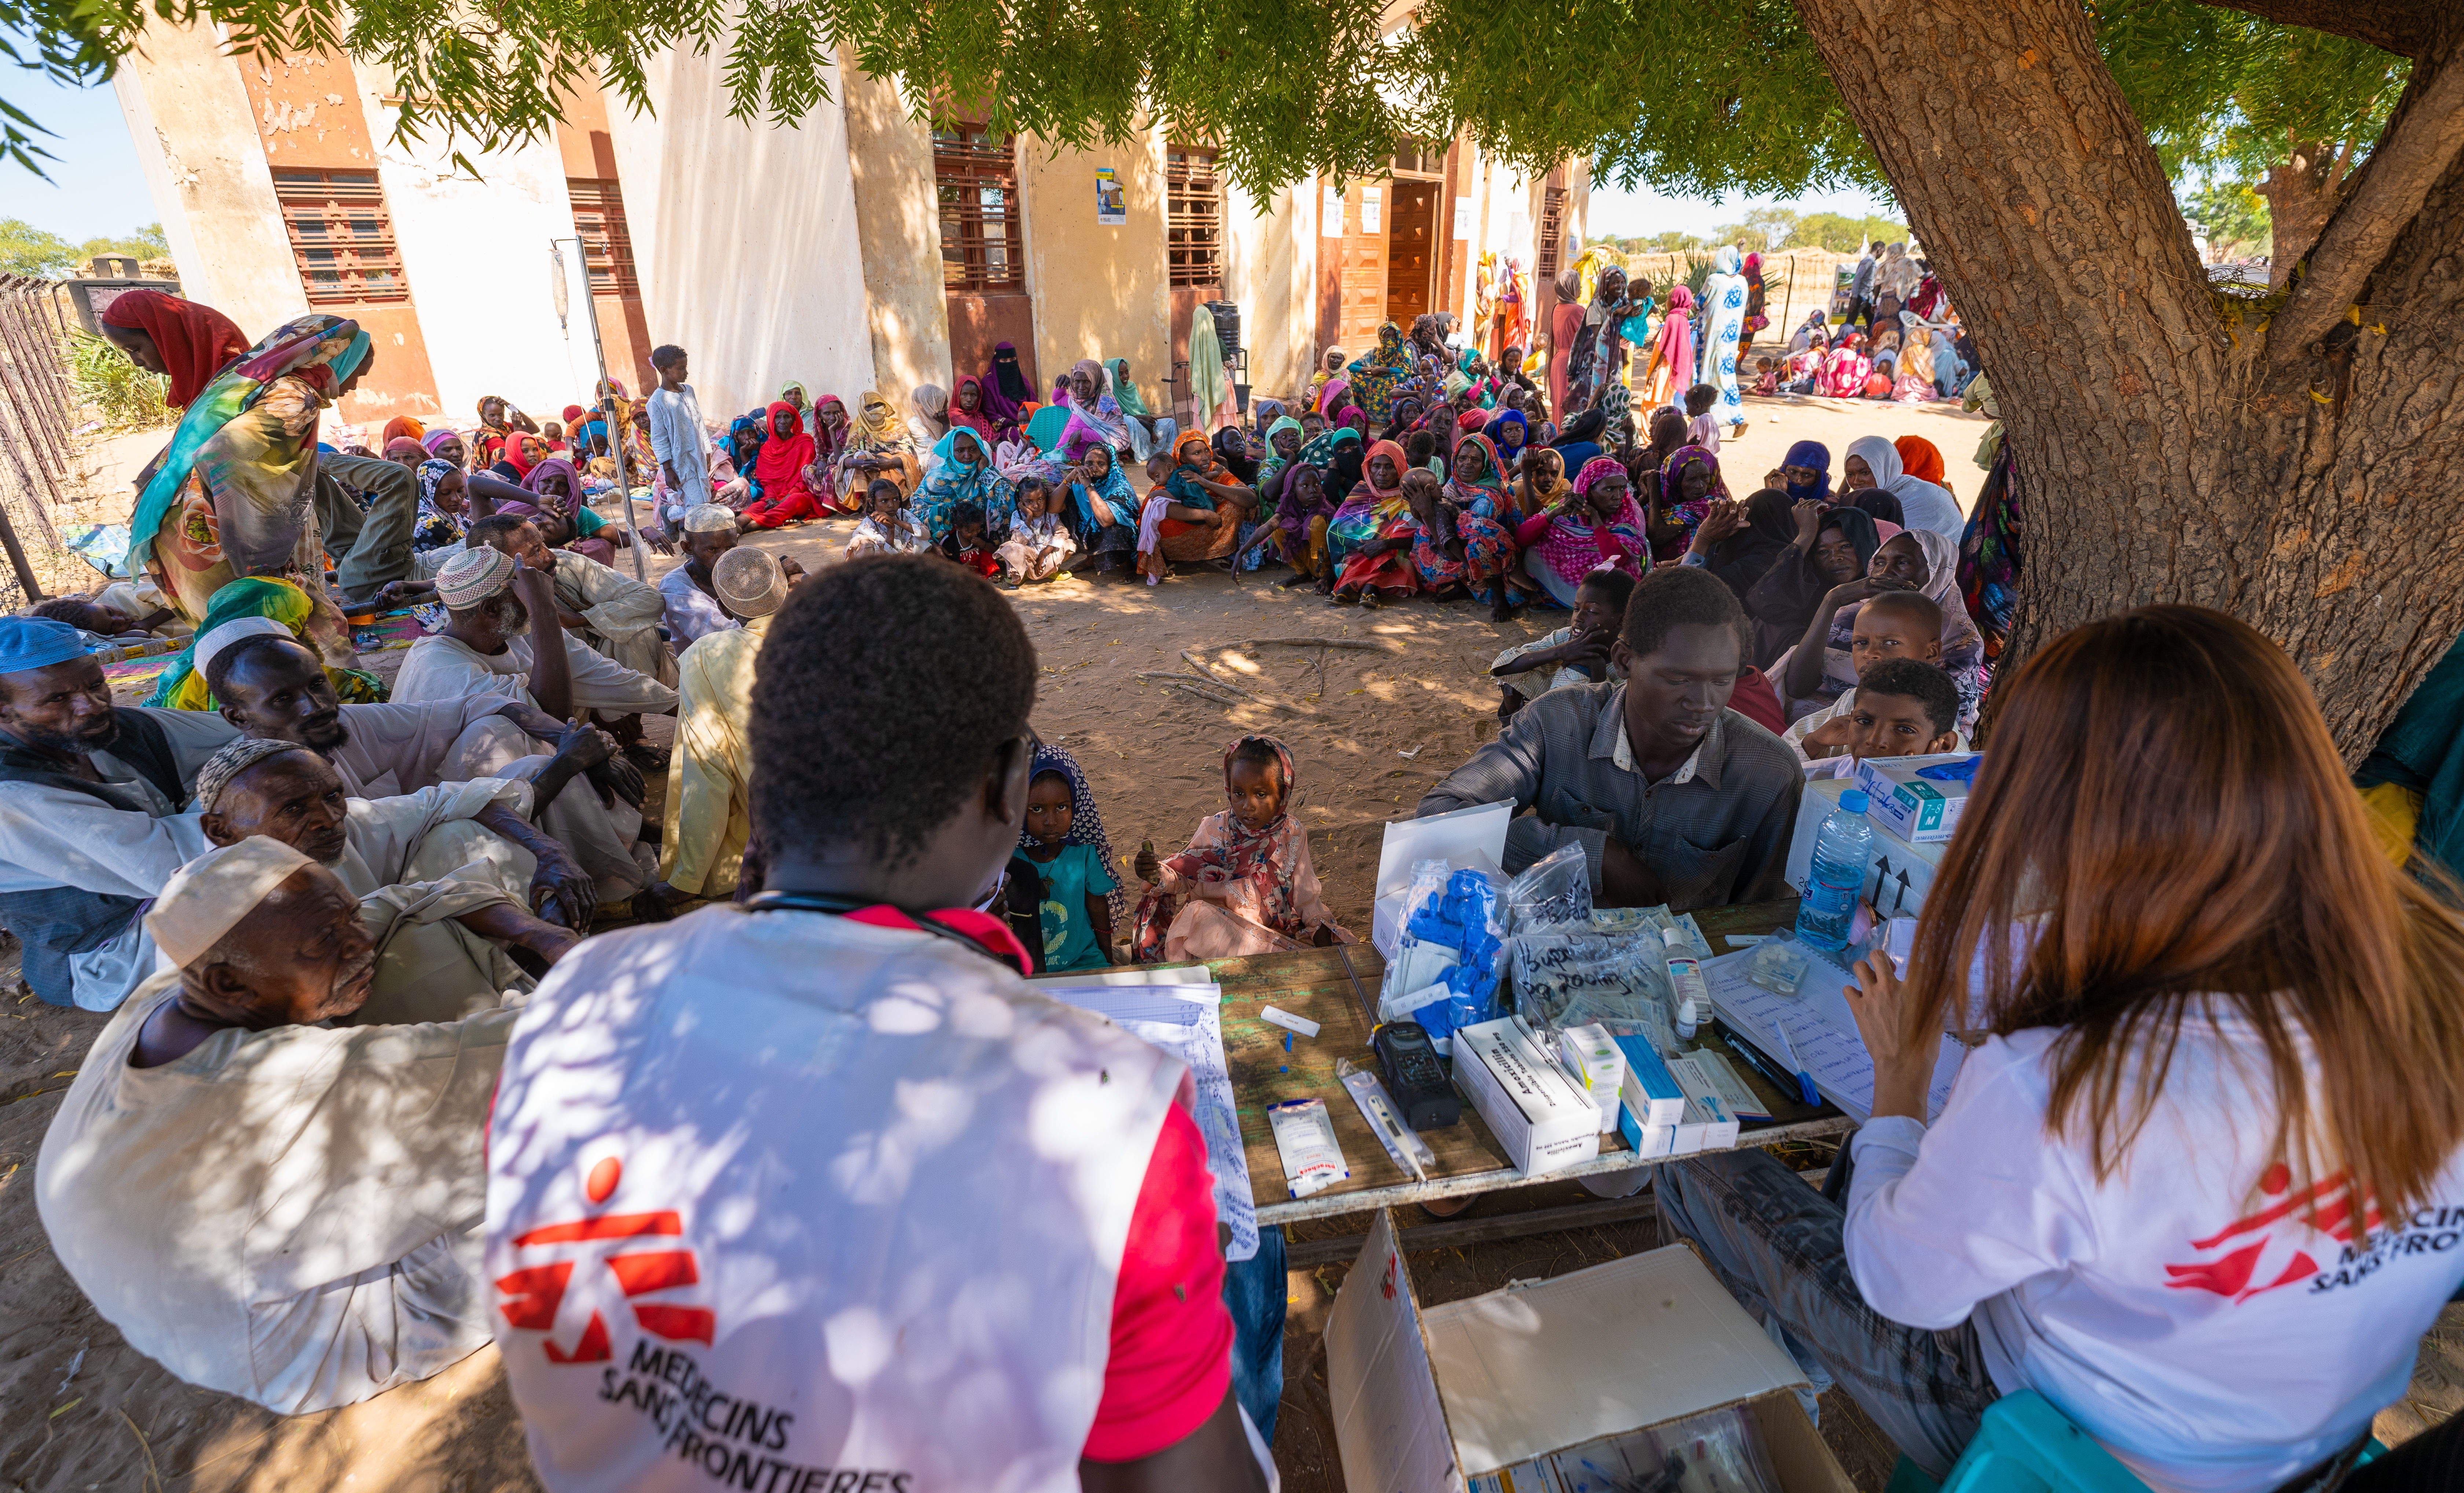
{"x": 1787, "y": 1054}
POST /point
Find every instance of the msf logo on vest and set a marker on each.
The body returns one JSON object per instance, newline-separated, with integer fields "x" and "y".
{"x": 601, "y": 1264}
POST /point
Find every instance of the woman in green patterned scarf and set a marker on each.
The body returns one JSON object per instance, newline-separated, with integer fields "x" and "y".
{"x": 232, "y": 496}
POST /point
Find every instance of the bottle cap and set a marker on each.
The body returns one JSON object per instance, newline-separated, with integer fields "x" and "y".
{"x": 1856, "y": 801}
{"x": 1674, "y": 938}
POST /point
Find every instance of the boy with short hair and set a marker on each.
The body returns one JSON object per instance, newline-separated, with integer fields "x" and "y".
{"x": 678, "y": 440}
{"x": 1577, "y": 653}
{"x": 1904, "y": 707}
{"x": 968, "y": 543}
{"x": 817, "y": 1125}
{"x": 1890, "y": 625}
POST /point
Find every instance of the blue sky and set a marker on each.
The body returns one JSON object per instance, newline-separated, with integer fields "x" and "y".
{"x": 1643, "y": 213}
{"x": 96, "y": 187}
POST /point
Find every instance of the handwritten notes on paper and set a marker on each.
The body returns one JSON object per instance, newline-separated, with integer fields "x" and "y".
{"x": 1187, "y": 1021}
{"x": 1819, "y": 1026}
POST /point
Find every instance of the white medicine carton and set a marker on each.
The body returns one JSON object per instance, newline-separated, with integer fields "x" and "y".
{"x": 1450, "y": 1398}
{"x": 1542, "y": 1122}
{"x": 1920, "y": 810}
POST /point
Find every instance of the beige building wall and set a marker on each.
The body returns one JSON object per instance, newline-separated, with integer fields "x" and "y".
{"x": 898, "y": 234}
{"x": 197, "y": 143}
{"x": 1099, "y": 291}
{"x": 478, "y": 251}
{"x": 745, "y": 240}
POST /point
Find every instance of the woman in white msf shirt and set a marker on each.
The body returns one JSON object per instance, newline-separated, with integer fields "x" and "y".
{"x": 2199, "y": 1183}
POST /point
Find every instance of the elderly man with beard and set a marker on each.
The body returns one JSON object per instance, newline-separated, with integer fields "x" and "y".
{"x": 262, "y": 1192}
{"x": 486, "y": 649}
{"x": 274, "y": 688}
{"x": 447, "y": 968}
{"x": 90, "y": 820}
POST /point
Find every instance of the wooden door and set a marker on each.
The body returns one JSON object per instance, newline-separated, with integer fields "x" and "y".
{"x": 1360, "y": 261}
{"x": 1411, "y": 250}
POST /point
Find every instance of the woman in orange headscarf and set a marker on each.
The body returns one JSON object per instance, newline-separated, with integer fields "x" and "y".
{"x": 1208, "y": 503}
{"x": 1920, "y": 459}
{"x": 1378, "y": 564}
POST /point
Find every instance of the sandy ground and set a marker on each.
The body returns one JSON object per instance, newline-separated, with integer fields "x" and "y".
{"x": 1370, "y": 729}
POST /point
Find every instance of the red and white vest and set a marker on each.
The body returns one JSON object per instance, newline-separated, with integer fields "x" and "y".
{"x": 782, "y": 1202}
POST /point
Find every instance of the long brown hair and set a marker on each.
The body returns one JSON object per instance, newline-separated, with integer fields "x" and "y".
{"x": 2163, "y": 800}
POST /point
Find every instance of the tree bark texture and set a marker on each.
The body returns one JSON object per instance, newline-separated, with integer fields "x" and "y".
{"x": 2311, "y": 490}
{"x": 2301, "y": 191}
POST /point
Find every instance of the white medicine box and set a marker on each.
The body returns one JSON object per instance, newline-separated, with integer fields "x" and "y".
{"x": 1505, "y": 1385}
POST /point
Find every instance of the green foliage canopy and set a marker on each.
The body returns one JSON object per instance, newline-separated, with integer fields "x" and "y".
{"x": 1706, "y": 99}
{"x": 27, "y": 250}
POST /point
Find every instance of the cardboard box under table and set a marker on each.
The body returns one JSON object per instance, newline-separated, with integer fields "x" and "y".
{"x": 1319, "y": 985}
{"x": 1473, "y": 1392}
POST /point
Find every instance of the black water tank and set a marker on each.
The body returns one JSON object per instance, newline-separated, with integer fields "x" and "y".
{"x": 1227, "y": 326}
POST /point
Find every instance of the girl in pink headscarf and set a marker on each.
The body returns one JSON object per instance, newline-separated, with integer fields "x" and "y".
{"x": 1671, "y": 367}
{"x": 1595, "y": 524}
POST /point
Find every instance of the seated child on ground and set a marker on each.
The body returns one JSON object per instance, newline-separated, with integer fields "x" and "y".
{"x": 1039, "y": 545}
{"x": 1577, "y": 653}
{"x": 886, "y": 528}
{"x": 968, "y": 544}
{"x": 1069, "y": 883}
{"x": 1150, "y": 560}
{"x": 1890, "y": 625}
{"x": 1766, "y": 376}
{"x": 1702, "y": 427}
{"x": 1244, "y": 884}
{"x": 1901, "y": 707}
{"x": 1420, "y": 453}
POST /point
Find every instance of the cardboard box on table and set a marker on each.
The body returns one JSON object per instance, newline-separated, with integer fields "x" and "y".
{"x": 1466, "y": 837}
{"x": 1427, "y": 1399}
{"x": 1920, "y": 810}
{"x": 1899, "y": 874}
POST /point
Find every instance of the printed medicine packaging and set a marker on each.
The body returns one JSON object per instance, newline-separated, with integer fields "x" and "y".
{"x": 1898, "y": 875}
{"x": 1543, "y": 1122}
{"x": 1653, "y": 1104}
{"x": 1919, "y": 809}
{"x": 1464, "y": 1394}
{"x": 1596, "y": 1059}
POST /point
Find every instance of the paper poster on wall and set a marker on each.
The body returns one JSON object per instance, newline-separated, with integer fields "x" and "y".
{"x": 1329, "y": 212}
{"x": 1371, "y": 207}
{"x": 1112, "y": 207}
{"x": 1463, "y": 217}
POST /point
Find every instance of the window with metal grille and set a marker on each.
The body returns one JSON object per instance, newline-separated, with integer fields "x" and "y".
{"x": 982, "y": 247}
{"x": 341, "y": 236}
{"x": 1553, "y": 228}
{"x": 1193, "y": 216}
{"x": 606, "y": 248}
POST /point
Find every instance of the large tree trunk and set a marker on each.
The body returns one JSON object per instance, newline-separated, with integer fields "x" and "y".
{"x": 2301, "y": 191}
{"x": 2300, "y": 474}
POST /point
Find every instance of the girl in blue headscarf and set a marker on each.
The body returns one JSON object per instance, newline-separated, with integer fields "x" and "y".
{"x": 962, "y": 472}
{"x": 1807, "y": 471}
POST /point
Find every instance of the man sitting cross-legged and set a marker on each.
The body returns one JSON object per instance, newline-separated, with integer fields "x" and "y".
{"x": 264, "y": 1204}
{"x": 273, "y": 688}
{"x": 492, "y": 600}
{"x": 447, "y": 968}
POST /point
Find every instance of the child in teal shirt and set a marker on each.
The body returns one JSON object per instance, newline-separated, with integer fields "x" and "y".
{"x": 1076, "y": 908}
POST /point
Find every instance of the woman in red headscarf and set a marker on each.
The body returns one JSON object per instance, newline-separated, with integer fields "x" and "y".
{"x": 780, "y": 469}
{"x": 163, "y": 334}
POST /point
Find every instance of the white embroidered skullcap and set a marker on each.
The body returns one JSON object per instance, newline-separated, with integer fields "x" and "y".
{"x": 748, "y": 582}
{"x": 206, "y": 898}
{"x": 474, "y": 576}
{"x": 212, "y": 642}
{"x": 234, "y": 758}
{"x": 711, "y": 519}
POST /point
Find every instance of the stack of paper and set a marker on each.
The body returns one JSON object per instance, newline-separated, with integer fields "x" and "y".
{"x": 1180, "y": 1010}
{"x": 1820, "y": 1028}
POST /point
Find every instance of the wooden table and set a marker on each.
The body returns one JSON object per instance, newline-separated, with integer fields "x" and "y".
{"x": 1314, "y": 983}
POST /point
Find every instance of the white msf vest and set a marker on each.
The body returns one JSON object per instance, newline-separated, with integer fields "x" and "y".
{"x": 787, "y": 1203}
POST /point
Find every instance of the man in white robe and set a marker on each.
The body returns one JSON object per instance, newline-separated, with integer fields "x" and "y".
{"x": 610, "y": 612}
{"x": 90, "y": 813}
{"x": 447, "y": 968}
{"x": 264, "y": 1204}
{"x": 484, "y": 652}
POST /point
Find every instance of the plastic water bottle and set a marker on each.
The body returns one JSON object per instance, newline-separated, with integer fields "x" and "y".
{"x": 1840, "y": 852}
